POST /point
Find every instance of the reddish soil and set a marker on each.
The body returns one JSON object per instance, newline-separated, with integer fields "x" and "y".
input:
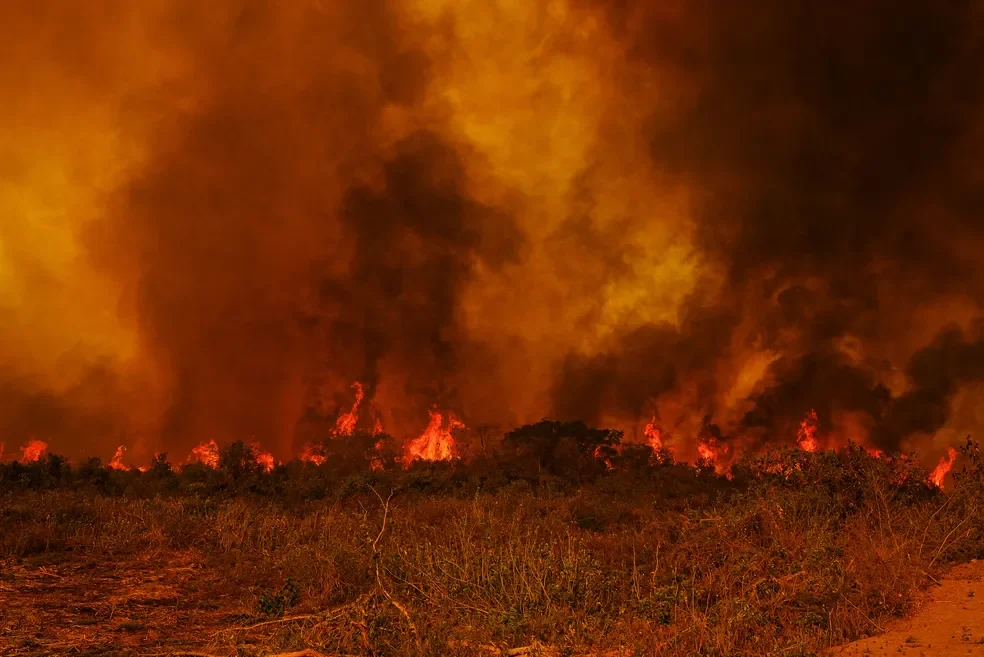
{"x": 158, "y": 603}
{"x": 950, "y": 622}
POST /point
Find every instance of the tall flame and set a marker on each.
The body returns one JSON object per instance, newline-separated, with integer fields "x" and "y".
{"x": 33, "y": 451}
{"x": 345, "y": 424}
{"x": 807, "y": 436}
{"x": 654, "y": 437}
{"x": 116, "y": 463}
{"x": 939, "y": 473}
{"x": 436, "y": 443}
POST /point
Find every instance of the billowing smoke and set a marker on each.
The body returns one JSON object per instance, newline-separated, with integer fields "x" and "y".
{"x": 218, "y": 216}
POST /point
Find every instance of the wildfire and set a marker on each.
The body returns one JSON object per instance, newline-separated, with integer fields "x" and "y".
{"x": 206, "y": 453}
{"x": 33, "y": 451}
{"x": 116, "y": 463}
{"x": 263, "y": 457}
{"x": 313, "y": 454}
{"x": 345, "y": 424}
{"x": 375, "y": 462}
{"x": 709, "y": 450}
{"x": 654, "y": 437}
{"x": 807, "y": 436}
{"x": 939, "y": 473}
{"x": 436, "y": 443}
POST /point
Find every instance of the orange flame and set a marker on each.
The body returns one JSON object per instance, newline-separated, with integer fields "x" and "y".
{"x": 375, "y": 462}
{"x": 378, "y": 427}
{"x": 654, "y": 437}
{"x": 345, "y": 424}
{"x": 117, "y": 461}
{"x": 939, "y": 473}
{"x": 807, "y": 436}
{"x": 313, "y": 454}
{"x": 206, "y": 453}
{"x": 33, "y": 451}
{"x": 436, "y": 443}
{"x": 711, "y": 451}
{"x": 263, "y": 457}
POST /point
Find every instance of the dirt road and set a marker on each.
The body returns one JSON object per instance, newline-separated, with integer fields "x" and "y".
{"x": 950, "y": 622}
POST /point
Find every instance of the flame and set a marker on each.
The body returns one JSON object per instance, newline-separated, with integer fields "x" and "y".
{"x": 711, "y": 451}
{"x": 375, "y": 462}
{"x": 263, "y": 457}
{"x": 807, "y": 436}
{"x": 939, "y": 473}
{"x": 345, "y": 424}
{"x": 33, "y": 451}
{"x": 116, "y": 463}
{"x": 436, "y": 443}
{"x": 207, "y": 453}
{"x": 654, "y": 437}
{"x": 313, "y": 454}
{"x": 377, "y": 428}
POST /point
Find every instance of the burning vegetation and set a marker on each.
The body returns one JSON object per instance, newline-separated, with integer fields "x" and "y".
{"x": 255, "y": 254}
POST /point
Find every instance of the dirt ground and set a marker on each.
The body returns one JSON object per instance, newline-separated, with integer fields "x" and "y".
{"x": 950, "y": 622}
{"x": 163, "y": 602}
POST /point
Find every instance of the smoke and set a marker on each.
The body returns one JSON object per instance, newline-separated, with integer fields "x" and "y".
{"x": 218, "y": 216}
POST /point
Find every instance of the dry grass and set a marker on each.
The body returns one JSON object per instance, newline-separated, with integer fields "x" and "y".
{"x": 782, "y": 565}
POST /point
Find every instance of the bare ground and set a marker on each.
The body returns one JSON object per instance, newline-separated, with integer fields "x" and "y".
{"x": 950, "y": 622}
{"x": 164, "y": 602}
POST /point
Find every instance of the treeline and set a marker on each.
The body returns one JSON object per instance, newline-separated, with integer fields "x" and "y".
{"x": 546, "y": 457}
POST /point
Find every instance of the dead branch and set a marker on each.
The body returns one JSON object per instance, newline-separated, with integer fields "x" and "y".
{"x": 379, "y": 577}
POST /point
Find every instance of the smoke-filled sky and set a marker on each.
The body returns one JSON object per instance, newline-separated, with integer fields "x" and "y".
{"x": 216, "y": 216}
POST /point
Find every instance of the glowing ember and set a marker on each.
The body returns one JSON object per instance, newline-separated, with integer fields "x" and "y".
{"x": 807, "y": 436}
{"x": 939, "y": 473}
{"x": 654, "y": 437}
{"x": 206, "y": 453}
{"x": 116, "y": 463}
{"x": 876, "y": 453}
{"x": 33, "y": 451}
{"x": 436, "y": 443}
{"x": 345, "y": 424}
{"x": 263, "y": 457}
{"x": 313, "y": 454}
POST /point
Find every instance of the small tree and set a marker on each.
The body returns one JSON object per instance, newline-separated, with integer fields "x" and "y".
{"x": 564, "y": 448}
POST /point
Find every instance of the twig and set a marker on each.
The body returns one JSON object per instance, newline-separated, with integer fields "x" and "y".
{"x": 379, "y": 577}
{"x": 287, "y": 619}
{"x": 386, "y": 508}
{"x": 929, "y": 523}
{"x": 945, "y": 539}
{"x": 932, "y": 578}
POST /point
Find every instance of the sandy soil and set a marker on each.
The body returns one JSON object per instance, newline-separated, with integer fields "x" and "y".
{"x": 950, "y": 622}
